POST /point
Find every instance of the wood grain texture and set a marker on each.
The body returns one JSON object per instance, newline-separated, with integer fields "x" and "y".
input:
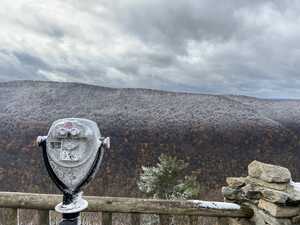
{"x": 9, "y": 216}
{"x": 106, "y": 218}
{"x": 126, "y": 205}
{"x": 43, "y": 217}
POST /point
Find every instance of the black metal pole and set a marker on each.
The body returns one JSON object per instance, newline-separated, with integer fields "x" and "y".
{"x": 70, "y": 219}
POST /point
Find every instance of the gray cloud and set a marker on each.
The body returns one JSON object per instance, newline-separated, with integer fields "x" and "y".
{"x": 209, "y": 46}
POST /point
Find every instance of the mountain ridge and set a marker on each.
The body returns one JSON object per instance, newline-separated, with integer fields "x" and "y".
{"x": 217, "y": 134}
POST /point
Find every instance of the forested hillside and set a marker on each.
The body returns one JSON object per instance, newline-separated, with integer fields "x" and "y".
{"x": 217, "y": 135}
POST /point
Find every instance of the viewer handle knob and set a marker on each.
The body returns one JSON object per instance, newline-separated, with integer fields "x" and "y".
{"x": 106, "y": 142}
{"x": 41, "y": 139}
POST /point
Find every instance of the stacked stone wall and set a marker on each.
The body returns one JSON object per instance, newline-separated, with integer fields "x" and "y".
{"x": 269, "y": 191}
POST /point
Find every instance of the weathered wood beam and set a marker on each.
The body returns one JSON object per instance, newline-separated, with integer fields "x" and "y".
{"x": 128, "y": 205}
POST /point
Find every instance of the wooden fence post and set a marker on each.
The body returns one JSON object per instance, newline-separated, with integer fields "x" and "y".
{"x": 135, "y": 218}
{"x": 222, "y": 221}
{"x": 106, "y": 218}
{"x": 9, "y": 216}
{"x": 164, "y": 219}
{"x": 43, "y": 217}
{"x": 193, "y": 220}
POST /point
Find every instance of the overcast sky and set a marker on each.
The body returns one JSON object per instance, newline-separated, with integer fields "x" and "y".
{"x": 247, "y": 47}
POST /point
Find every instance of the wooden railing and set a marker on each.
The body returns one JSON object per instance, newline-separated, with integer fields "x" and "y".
{"x": 13, "y": 201}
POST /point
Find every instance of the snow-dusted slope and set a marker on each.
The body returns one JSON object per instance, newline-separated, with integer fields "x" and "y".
{"x": 218, "y": 135}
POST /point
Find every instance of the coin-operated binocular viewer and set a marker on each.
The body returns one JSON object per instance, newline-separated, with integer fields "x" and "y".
{"x": 72, "y": 153}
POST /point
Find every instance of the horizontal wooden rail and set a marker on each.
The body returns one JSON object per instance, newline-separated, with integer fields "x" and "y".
{"x": 127, "y": 205}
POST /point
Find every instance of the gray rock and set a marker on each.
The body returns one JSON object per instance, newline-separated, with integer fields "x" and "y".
{"x": 278, "y": 211}
{"x": 294, "y": 194}
{"x": 262, "y": 218}
{"x": 275, "y": 186}
{"x": 269, "y": 173}
{"x": 252, "y": 192}
{"x": 231, "y": 193}
{"x": 274, "y": 196}
{"x": 235, "y": 182}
